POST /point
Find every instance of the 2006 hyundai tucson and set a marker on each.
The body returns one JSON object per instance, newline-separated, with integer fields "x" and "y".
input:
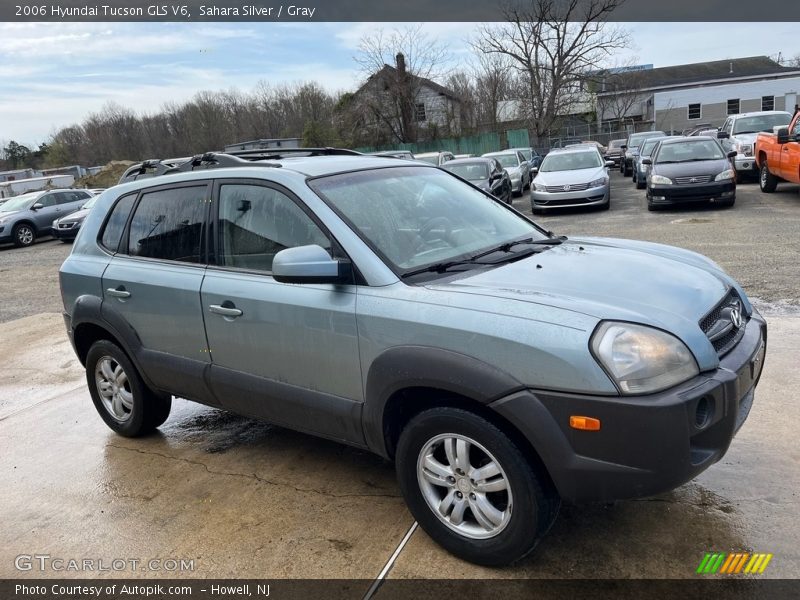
{"x": 398, "y": 308}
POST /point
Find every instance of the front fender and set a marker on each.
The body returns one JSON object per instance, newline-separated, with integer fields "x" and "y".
{"x": 403, "y": 367}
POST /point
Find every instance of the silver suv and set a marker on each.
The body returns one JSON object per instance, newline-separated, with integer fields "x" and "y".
{"x": 395, "y": 307}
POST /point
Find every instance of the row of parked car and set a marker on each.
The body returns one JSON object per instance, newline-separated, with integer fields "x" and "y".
{"x": 59, "y": 213}
{"x": 704, "y": 164}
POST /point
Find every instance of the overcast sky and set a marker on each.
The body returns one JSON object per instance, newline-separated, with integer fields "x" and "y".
{"x": 54, "y": 74}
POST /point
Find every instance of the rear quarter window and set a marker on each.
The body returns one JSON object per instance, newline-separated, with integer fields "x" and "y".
{"x": 115, "y": 224}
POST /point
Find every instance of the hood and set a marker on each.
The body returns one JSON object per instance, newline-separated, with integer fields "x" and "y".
{"x": 691, "y": 169}
{"x": 656, "y": 285}
{"x": 744, "y": 138}
{"x": 3, "y": 215}
{"x": 78, "y": 215}
{"x": 564, "y": 177}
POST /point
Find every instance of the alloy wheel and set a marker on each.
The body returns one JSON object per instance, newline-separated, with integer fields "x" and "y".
{"x": 464, "y": 486}
{"x": 114, "y": 388}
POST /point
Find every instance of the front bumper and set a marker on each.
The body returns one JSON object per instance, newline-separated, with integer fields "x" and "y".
{"x": 647, "y": 444}
{"x": 745, "y": 164}
{"x": 714, "y": 191}
{"x": 65, "y": 234}
{"x": 592, "y": 197}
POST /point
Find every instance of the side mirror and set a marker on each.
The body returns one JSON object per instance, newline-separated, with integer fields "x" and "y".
{"x": 723, "y": 135}
{"x": 309, "y": 264}
{"x": 624, "y": 147}
{"x": 732, "y": 154}
{"x": 610, "y": 163}
{"x": 534, "y": 169}
{"x": 37, "y": 206}
{"x": 647, "y": 161}
{"x": 783, "y": 135}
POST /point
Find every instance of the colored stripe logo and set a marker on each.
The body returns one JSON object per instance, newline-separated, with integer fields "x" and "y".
{"x": 734, "y": 563}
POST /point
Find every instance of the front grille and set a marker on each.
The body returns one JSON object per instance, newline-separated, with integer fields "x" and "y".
{"x": 719, "y": 325}
{"x": 572, "y": 187}
{"x": 66, "y": 225}
{"x": 693, "y": 180}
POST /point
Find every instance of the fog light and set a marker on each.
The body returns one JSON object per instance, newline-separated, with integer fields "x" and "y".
{"x": 703, "y": 412}
{"x": 659, "y": 198}
{"x": 727, "y": 194}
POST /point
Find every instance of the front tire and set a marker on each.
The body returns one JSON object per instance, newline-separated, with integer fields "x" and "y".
{"x": 120, "y": 395}
{"x": 766, "y": 180}
{"x": 471, "y": 488}
{"x": 24, "y": 235}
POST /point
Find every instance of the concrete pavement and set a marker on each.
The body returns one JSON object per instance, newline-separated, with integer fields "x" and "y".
{"x": 244, "y": 499}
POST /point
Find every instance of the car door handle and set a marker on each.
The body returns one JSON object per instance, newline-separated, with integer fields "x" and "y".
{"x": 225, "y": 311}
{"x": 119, "y": 292}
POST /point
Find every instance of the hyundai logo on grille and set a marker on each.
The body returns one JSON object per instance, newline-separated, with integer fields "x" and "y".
{"x": 567, "y": 188}
{"x": 693, "y": 180}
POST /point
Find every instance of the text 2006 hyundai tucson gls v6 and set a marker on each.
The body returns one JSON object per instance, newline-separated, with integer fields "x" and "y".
{"x": 398, "y": 308}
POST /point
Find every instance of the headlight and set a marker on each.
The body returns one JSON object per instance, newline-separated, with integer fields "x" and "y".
{"x": 660, "y": 180}
{"x": 746, "y": 149}
{"x": 598, "y": 182}
{"x": 727, "y": 174}
{"x": 539, "y": 187}
{"x": 641, "y": 359}
{"x": 55, "y": 223}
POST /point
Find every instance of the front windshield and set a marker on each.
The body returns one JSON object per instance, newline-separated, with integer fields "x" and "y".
{"x": 760, "y": 123}
{"x": 434, "y": 160}
{"x": 570, "y": 161}
{"x": 690, "y": 151}
{"x": 507, "y": 160}
{"x": 526, "y": 153}
{"x": 470, "y": 171}
{"x": 415, "y": 216}
{"x": 23, "y": 202}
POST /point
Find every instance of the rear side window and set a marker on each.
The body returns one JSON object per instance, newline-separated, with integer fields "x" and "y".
{"x": 115, "y": 225}
{"x": 169, "y": 224}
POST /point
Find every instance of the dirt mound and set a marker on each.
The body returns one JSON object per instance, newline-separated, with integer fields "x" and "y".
{"x": 107, "y": 177}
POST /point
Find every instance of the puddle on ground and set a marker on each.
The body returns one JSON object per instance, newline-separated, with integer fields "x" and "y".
{"x": 691, "y": 221}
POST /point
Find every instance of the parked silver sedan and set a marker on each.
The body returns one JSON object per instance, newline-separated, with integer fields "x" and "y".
{"x": 575, "y": 176}
{"x": 517, "y": 167}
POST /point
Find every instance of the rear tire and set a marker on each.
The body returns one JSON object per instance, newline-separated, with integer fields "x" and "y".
{"x": 766, "y": 180}
{"x": 120, "y": 395}
{"x": 492, "y": 520}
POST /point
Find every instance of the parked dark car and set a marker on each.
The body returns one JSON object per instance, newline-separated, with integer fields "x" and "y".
{"x": 67, "y": 228}
{"x": 639, "y": 168}
{"x": 631, "y": 149}
{"x": 614, "y": 151}
{"x": 486, "y": 173}
{"x": 690, "y": 169}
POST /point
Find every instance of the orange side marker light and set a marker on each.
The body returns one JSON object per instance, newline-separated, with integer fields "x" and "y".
{"x": 584, "y": 423}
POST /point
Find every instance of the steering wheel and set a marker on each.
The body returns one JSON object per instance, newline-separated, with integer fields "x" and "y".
{"x": 430, "y": 225}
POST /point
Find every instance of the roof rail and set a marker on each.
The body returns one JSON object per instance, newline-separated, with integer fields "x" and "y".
{"x": 156, "y": 167}
{"x": 273, "y": 153}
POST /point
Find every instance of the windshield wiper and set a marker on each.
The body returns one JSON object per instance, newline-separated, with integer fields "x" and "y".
{"x": 441, "y": 267}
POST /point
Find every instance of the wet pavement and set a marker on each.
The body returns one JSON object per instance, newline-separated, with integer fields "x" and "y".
{"x": 242, "y": 498}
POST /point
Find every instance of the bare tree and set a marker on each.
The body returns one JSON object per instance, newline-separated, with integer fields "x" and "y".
{"x": 553, "y": 45}
{"x": 389, "y": 94}
{"x": 494, "y": 84}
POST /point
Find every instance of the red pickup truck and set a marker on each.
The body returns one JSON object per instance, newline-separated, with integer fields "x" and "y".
{"x": 778, "y": 155}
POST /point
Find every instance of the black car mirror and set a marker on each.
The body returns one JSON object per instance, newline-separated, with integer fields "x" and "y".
{"x": 732, "y": 154}
{"x": 647, "y": 161}
{"x": 624, "y": 146}
{"x": 723, "y": 135}
{"x": 783, "y": 135}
